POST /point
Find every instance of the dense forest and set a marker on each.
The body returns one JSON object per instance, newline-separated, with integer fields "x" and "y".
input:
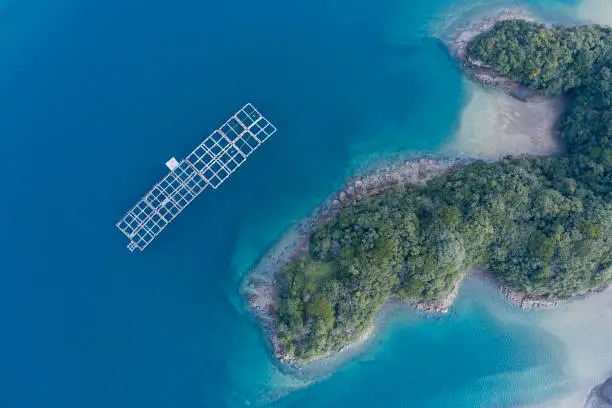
{"x": 543, "y": 226}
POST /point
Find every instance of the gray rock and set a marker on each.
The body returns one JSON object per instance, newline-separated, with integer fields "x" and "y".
{"x": 527, "y": 301}
{"x": 605, "y": 392}
{"x": 600, "y": 396}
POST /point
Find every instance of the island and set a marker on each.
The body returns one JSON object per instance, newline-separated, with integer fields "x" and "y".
{"x": 540, "y": 227}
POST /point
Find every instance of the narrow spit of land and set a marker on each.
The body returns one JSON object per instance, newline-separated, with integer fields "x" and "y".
{"x": 412, "y": 231}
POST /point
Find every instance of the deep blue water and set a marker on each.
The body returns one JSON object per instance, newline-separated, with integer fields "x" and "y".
{"x": 96, "y": 96}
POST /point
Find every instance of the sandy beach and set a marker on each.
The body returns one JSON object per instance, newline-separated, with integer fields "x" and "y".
{"x": 500, "y": 117}
{"x": 595, "y": 11}
{"x": 585, "y": 329}
{"x": 584, "y": 326}
{"x": 493, "y": 124}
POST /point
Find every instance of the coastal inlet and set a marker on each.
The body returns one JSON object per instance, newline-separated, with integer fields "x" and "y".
{"x": 412, "y": 231}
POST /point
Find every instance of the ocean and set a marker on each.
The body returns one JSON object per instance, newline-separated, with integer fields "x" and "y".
{"x": 96, "y": 96}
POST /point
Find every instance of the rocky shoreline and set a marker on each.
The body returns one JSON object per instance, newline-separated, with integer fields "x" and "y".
{"x": 458, "y": 42}
{"x": 259, "y": 287}
{"x": 600, "y": 396}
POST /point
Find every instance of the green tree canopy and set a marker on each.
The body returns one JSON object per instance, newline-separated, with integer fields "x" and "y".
{"x": 543, "y": 226}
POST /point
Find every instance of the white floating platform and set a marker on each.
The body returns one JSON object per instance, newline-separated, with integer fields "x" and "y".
{"x": 210, "y": 164}
{"x": 172, "y": 164}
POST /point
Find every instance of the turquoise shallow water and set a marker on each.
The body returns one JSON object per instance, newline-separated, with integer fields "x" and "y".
{"x": 484, "y": 353}
{"x": 96, "y": 96}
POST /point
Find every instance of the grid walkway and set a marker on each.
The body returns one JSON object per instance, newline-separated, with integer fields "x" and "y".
{"x": 210, "y": 164}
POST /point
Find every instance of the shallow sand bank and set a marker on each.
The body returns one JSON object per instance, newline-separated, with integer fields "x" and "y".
{"x": 585, "y": 328}
{"x": 500, "y": 117}
{"x": 493, "y": 124}
{"x": 596, "y": 11}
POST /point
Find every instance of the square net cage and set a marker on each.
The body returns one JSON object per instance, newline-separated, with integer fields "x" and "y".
{"x": 209, "y": 164}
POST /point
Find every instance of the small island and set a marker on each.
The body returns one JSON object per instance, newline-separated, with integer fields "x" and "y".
{"x": 541, "y": 227}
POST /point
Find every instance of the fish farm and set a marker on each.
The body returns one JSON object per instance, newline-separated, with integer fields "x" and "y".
{"x": 209, "y": 164}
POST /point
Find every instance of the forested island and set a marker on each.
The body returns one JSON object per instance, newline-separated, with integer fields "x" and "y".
{"x": 541, "y": 226}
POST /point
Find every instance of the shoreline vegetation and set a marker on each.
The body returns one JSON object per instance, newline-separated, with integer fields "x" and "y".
{"x": 261, "y": 284}
{"x": 457, "y": 45}
{"x": 410, "y": 232}
{"x": 502, "y": 118}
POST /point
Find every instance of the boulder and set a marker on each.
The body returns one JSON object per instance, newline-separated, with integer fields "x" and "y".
{"x": 605, "y": 392}
{"x": 600, "y": 396}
